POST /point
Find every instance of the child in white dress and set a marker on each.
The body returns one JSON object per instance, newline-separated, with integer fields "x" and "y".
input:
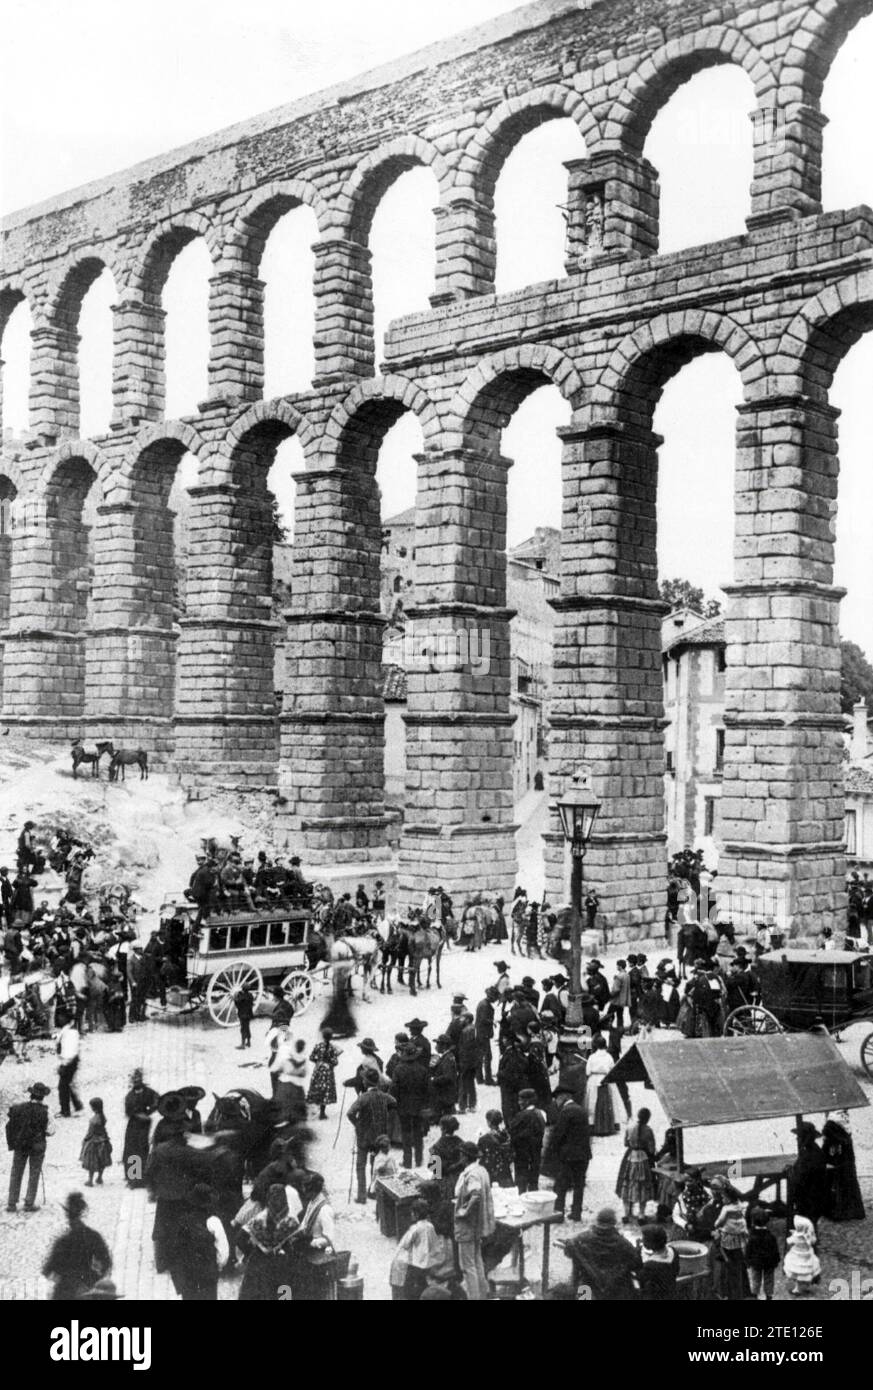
{"x": 801, "y": 1264}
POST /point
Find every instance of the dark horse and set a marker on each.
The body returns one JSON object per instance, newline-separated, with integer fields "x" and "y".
{"x": 407, "y": 947}
{"x": 251, "y": 1119}
{"x": 128, "y": 757}
{"x": 90, "y": 754}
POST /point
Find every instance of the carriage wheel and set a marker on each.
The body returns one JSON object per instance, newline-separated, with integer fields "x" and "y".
{"x": 749, "y": 1020}
{"x": 299, "y": 989}
{"x": 867, "y": 1054}
{"x": 225, "y": 984}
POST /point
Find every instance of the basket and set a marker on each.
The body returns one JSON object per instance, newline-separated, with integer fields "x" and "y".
{"x": 538, "y": 1203}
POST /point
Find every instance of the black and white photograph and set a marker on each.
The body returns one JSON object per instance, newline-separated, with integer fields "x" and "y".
{"x": 436, "y": 661}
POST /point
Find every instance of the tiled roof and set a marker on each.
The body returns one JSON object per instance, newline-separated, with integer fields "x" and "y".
{"x": 393, "y": 682}
{"x": 859, "y": 779}
{"x": 394, "y": 523}
{"x": 709, "y": 633}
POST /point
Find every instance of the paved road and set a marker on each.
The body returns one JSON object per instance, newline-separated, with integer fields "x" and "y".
{"x": 177, "y": 1050}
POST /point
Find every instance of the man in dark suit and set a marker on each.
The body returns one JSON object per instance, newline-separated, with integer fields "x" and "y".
{"x": 409, "y": 1082}
{"x": 484, "y": 1026}
{"x": 6, "y": 894}
{"x": 569, "y": 1152}
{"x": 526, "y": 1130}
{"x": 26, "y": 1131}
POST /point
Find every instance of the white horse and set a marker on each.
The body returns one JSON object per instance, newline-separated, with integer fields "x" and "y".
{"x": 349, "y": 954}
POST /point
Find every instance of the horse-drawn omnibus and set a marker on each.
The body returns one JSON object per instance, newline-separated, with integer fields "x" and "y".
{"x": 230, "y": 950}
{"x": 800, "y": 990}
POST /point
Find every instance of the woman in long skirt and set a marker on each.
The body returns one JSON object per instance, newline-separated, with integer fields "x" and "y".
{"x": 140, "y": 1104}
{"x": 732, "y": 1234}
{"x": 601, "y": 1110}
{"x": 635, "y": 1184}
{"x": 322, "y": 1088}
{"x": 843, "y": 1199}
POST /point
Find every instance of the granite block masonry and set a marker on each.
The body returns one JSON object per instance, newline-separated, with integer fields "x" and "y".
{"x": 102, "y": 649}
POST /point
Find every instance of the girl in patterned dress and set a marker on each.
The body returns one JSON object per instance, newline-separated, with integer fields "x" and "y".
{"x": 322, "y": 1087}
{"x": 96, "y": 1151}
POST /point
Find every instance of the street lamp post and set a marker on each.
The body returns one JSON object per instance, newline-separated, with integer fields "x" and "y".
{"x": 578, "y": 809}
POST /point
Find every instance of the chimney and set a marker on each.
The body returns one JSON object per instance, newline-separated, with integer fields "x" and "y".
{"x": 859, "y": 732}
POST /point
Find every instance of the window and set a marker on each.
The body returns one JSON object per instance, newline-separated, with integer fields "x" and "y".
{"x": 708, "y": 814}
{"x": 721, "y": 659}
{"x": 278, "y": 933}
{"x": 669, "y": 760}
{"x": 258, "y": 935}
{"x": 719, "y": 749}
{"x": 851, "y": 832}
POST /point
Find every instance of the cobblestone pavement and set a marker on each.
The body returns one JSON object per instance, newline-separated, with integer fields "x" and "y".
{"x": 175, "y": 1050}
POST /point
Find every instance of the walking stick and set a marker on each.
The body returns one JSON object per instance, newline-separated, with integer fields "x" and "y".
{"x": 352, "y": 1169}
{"x": 340, "y": 1120}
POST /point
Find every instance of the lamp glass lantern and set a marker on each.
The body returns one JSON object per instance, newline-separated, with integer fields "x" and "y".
{"x": 578, "y": 809}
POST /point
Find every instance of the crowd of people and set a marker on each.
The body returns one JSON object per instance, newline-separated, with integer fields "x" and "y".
{"x": 548, "y": 1108}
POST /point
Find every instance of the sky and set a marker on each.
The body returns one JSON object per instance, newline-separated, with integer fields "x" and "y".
{"x": 97, "y": 86}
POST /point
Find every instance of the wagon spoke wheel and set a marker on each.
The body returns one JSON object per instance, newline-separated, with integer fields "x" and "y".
{"x": 298, "y": 990}
{"x": 750, "y": 1019}
{"x": 867, "y": 1054}
{"x": 225, "y": 984}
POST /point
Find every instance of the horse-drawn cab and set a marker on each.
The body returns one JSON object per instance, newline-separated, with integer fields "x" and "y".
{"x": 227, "y": 952}
{"x": 800, "y": 990}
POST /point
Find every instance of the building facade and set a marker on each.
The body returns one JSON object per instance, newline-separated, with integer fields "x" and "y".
{"x": 694, "y": 705}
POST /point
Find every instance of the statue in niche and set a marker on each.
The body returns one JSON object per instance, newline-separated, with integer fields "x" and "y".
{"x": 595, "y": 219}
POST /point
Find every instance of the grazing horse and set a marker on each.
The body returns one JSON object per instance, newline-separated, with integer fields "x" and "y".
{"x": 91, "y": 753}
{"x": 128, "y": 757}
{"x": 251, "y": 1118}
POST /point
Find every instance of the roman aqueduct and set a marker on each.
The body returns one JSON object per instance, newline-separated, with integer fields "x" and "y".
{"x": 784, "y": 301}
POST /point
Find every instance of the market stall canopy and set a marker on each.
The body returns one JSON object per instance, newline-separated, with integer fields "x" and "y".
{"x": 720, "y": 1081}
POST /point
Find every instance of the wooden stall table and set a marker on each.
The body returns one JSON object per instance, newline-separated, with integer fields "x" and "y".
{"x": 518, "y": 1225}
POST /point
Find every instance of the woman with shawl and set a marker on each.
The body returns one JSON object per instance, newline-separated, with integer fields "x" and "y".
{"x": 843, "y": 1201}
{"x": 313, "y": 1262}
{"x": 269, "y": 1234}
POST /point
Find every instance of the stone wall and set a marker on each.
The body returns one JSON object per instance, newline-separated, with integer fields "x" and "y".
{"x": 784, "y": 301}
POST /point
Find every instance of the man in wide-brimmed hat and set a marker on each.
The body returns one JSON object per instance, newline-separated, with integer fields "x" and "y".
{"x": 416, "y": 1027}
{"x": 80, "y": 1258}
{"x": 370, "y": 1114}
{"x": 26, "y": 1133}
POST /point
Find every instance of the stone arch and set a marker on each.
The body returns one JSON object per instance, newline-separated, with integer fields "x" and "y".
{"x": 359, "y": 423}
{"x": 12, "y": 293}
{"x": 820, "y": 335}
{"x": 158, "y": 252}
{"x": 67, "y": 452}
{"x": 374, "y": 175}
{"x": 266, "y": 413}
{"x": 161, "y": 443}
{"x": 257, "y": 218}
{"x": 659, "y": 76}
{"x": 642, "y": 363}
{"x": 483, "y": 159}
{"x": 495, "y": 388}
{"x": 822, "y": 29}
{"x": 73, "y": 280}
